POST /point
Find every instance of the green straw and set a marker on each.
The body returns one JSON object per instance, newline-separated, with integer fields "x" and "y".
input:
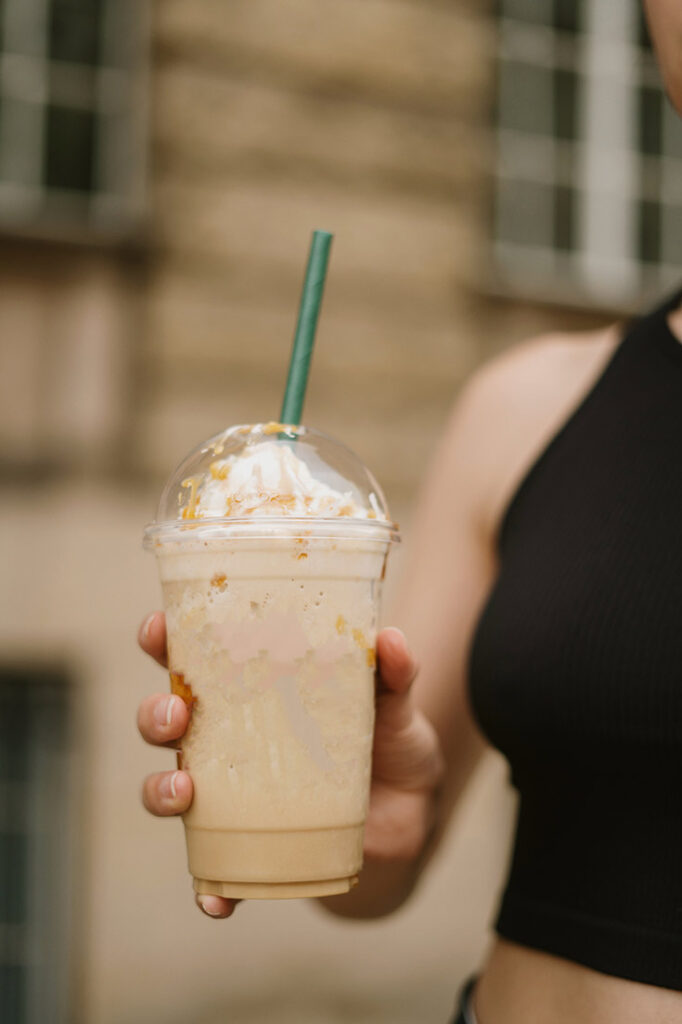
{"x": 304, "y": 338}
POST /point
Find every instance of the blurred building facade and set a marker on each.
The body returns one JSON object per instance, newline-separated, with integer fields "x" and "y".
{"x": 161, "y": 169}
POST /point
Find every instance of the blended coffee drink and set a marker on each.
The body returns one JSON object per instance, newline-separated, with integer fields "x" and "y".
{"x": 271, "y": 544}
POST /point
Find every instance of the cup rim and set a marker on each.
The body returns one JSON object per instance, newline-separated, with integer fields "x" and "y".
{"x": 269, "y": 528}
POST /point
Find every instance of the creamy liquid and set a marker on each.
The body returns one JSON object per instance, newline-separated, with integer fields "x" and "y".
{"x": 272, "y": 642}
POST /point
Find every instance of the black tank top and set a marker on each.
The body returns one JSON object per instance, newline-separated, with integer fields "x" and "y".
{"x": 576, "y": 673}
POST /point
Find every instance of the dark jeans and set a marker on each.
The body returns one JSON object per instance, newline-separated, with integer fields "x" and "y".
{"x": 462, "y": 1016}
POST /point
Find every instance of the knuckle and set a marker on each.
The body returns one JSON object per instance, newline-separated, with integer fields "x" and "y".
{"x": 153, "y": 795}
{"x": 147, "y": 793}
{"x": 142, "y": 719}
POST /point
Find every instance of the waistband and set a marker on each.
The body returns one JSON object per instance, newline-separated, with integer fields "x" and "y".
{"x": 465, "y": 1012}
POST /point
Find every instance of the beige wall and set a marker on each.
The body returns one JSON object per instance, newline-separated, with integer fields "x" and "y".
{"x": 367, "y": 118}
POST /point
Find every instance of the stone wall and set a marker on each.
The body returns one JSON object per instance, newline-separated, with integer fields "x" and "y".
{"x": 269, "y": 119}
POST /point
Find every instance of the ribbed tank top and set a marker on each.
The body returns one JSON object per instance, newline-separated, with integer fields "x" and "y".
{"x": 576, "y": 673}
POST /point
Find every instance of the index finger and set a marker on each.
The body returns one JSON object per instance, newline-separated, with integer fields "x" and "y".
{"x": 152, "y": 638}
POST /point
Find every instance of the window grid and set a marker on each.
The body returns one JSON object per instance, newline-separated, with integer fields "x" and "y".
{"x": 35, "y": 883}
{"x": 71, "y": 107}
{"x": 589, "y": 166}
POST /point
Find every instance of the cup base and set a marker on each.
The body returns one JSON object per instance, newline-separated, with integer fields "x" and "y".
{"x": 274, "y": 890}
{"x": 274, "y": 864}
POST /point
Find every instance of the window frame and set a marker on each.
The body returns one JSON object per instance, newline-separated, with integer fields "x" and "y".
{"x": 111, "y": 213}
{"x": 572, "y": 275}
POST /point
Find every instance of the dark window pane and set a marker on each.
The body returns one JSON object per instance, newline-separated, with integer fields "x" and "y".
{"x": 12, "y": 994}
{"x": 650, "y": 120}
{"x": 14, "y": 733}
{"x": 527, "y": 10}
{"x": 672, "y": 131}
{"x": 22, "y": 125}
{"x": 13, "y": 865}
{"x": 525, "y": 100}
{"x": 564, "y": 218}
{"x": 75, "y": 30}
{"x": 649, "y": 232}
{"x": 565, "y": 90}
{"x": 525, "y": 213}
{"x": 643, "y": 31}
{"x": 33, "y": 823}
{"x": 567, "y": 14}
{"x": 671, "y": 228}
{"x": 69, "y": 149}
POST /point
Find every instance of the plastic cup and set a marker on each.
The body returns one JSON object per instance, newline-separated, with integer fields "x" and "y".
{"x": 272, "y": 621}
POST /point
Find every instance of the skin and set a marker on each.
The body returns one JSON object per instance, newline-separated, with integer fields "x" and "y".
{"x": 664, "y": 18}
{"x": 426, "y": 744}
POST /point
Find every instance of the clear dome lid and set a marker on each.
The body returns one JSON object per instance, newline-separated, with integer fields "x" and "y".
{"x": 255, "y": 478}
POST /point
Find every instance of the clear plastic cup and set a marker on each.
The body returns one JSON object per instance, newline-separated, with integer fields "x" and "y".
{"x": 271, "y": 607}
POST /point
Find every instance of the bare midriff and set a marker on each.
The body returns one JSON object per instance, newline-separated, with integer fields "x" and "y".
{"x": 524, "y": 986}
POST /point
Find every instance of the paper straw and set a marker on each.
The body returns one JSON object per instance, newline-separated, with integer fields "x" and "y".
{"x": 304, "y": 338}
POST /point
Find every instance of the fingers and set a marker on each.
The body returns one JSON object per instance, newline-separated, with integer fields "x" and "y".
{"x": 166, "y": 793}
{"x": 215, "y": 906}
{"x": 152, "y": 637}
{"x": 397, "y": 668}
{"x": 162, "y": 718}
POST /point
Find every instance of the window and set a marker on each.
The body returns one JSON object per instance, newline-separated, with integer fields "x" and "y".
{"x": 35, "y": 897}
{"x": 588, "y": 197}
{"x": 70, "y": 97}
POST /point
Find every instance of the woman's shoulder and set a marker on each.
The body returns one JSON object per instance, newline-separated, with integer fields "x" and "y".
{"x": 512, "y": 406}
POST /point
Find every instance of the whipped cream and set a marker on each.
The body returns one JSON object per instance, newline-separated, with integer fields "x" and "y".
{"x": 267, "y": 479}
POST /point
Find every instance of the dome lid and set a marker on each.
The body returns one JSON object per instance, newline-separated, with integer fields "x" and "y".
{"x": 254, "y": 477}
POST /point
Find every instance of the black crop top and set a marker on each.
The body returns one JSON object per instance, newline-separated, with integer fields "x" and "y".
{"x": 576, "y": 673}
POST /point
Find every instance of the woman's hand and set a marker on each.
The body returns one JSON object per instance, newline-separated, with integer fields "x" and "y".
{"x": 162, "y": 720}
{"x": 406, "y": 765}
{"x": 407, "y": 772}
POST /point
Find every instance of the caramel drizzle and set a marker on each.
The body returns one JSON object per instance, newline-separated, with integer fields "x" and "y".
{"x": 190, "y": 509}
{"x": 182, "y": 689}
{"x": 361, "y": 641}
{"x": 219, "y": 470}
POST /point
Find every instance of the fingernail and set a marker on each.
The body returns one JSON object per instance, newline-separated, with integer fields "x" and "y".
{"x": 148, "y": 625}
{"x": 163, "y": 712}
{"x": 205, "y": 903}
{"x": 167, "y": 786}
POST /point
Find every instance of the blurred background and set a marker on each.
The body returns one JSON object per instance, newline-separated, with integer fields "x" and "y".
{"x": 490, "y": 172}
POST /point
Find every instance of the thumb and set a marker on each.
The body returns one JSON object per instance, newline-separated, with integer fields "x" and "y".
{"x": 396, "y": 671}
